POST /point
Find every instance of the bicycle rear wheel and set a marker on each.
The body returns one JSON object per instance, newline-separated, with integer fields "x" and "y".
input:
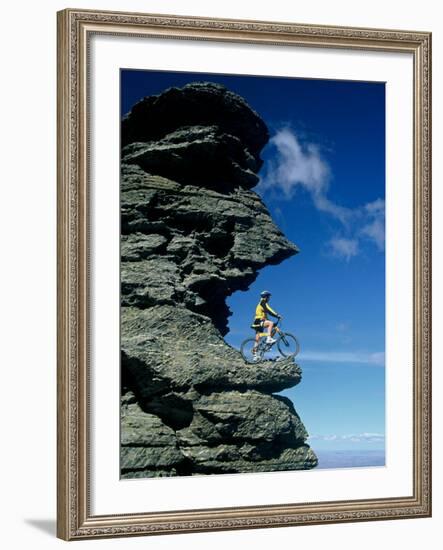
{"x": 288, "y": 345}
{"x": 246, "y": 351}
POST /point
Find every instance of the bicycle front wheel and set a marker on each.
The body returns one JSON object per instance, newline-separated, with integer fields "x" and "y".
{"x": 288, "y": 345}
{"x": 246, "y": 349}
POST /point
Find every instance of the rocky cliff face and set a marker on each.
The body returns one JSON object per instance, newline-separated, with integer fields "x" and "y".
{"x": 193, "y": 233}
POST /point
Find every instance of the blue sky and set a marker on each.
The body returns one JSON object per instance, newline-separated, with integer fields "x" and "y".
{"x": 323, "y": 181}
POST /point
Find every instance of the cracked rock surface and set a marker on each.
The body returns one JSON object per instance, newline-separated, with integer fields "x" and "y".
{"x": 194, "y": 232}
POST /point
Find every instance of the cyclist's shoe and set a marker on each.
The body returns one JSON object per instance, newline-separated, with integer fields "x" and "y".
{"x": 270, "y": 340}
{"x": 255, "y": 356}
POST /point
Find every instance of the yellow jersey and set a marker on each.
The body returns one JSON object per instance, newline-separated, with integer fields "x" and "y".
{"x": 262, "y": 310}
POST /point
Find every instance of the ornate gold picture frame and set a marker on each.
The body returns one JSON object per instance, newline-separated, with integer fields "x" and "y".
{"x": 75, "y": 517}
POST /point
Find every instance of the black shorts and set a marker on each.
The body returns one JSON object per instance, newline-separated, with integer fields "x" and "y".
{"x": 258, "y": 325}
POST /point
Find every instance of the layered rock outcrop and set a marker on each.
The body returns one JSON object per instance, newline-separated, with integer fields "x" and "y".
{"x": 193, "y": 232}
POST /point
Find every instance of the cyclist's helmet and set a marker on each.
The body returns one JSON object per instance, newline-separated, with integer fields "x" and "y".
{"x": 265, "y": 294}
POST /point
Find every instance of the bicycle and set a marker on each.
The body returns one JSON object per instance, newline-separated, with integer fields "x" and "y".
{"x": 287, "y": 344}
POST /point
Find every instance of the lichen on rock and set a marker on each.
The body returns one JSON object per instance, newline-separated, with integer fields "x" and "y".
{"x": 194, "y": 232}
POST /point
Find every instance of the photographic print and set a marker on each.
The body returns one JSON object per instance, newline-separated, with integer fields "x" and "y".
{"x": 243, "y": 300}
{"x": 252, "y": 274}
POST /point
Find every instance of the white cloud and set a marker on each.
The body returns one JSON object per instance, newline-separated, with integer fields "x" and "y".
{"x": 298, "y": 165}
{"x": 354, "y": 438}
{"x": 344, "y": 248}
{"x": 378, "y": 358}
{"x": 374, "y": 358}
{"x": 374, "y": 228}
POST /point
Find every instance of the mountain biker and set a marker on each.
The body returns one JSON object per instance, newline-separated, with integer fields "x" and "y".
{"x": 261, "y": 320}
